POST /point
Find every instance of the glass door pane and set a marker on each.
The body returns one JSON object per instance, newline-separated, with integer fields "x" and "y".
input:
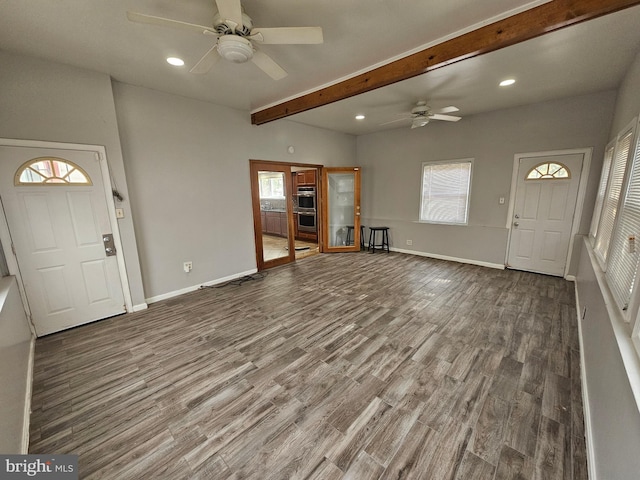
{"x": 272, "y": 207}
{"x": 342, "y": 209}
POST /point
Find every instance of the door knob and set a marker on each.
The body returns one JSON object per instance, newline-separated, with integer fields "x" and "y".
{"x": 515, "y": 224}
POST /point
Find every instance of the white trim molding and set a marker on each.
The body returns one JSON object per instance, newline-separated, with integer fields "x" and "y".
{"x": 450, "y": 259}
{"x": 193, "y": 288}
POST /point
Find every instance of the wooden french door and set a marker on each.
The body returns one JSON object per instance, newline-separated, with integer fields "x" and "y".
{"x": 272, "y": 201}
{"x": 340, "y": 209}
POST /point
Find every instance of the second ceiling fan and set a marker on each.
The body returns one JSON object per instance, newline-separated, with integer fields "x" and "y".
{"x": 422, "y": 114}
{"x": 236, "y": 37}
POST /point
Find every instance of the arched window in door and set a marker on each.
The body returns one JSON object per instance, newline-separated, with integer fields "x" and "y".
{"x": 549, "y": 171}
{"x": 51, "y": 171}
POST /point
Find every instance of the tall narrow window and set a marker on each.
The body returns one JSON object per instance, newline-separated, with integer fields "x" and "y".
{"x": 612, "y": 197}
{"x": 623, "y": 257}
{"x": 445, "y": 192}
{"x": 51, "y": 171}
{"x": 602, "y": 188}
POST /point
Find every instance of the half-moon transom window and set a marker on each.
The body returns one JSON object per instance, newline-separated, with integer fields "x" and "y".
{"x": 548, "y": 171}
{"x": 51, "y": 171}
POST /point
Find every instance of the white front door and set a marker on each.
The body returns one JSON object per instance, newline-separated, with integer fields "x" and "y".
{"x": 545, "y": 202}
{"x": 57, "y": 232}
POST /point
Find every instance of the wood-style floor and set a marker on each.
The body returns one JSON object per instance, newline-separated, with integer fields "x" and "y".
{"x": 276, "y": 247}
{"x": 344, "y": 366}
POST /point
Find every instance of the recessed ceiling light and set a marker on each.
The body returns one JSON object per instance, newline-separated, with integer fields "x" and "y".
{"x": 175, "y": 61}
{"x": 359, "y": 117}
{"x": 506, "y": 83}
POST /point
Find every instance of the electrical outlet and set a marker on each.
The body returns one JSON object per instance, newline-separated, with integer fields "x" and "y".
{"x": 188, "y": 266}
{"x": 409, "y": 242}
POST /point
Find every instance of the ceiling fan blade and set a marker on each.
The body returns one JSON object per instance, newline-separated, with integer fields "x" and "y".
{"x": 287, "y": 35}
{"x": 446, "y": 118}
{"x": 449, "y": 109}
{"x": 167, "y": 22}
{"x": 268, "y": 65}
{"x": 230, "y": 10}
{"x": 396, "y": 120}
{"x": 207, "y": 61}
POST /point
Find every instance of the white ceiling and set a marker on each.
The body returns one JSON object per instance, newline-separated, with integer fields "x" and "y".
{"x": 358, "y": 34}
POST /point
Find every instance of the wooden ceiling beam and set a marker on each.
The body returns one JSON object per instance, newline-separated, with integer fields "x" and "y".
{"x": 518, "y": 28}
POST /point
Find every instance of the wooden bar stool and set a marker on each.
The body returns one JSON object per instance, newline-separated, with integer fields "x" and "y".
{"x": 384, "y": 240}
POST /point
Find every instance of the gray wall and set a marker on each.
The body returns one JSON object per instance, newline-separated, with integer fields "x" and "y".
{"x": 186, "y": 188}
{"x": 187, "y": 165}
{"x": 392, "y": 162}
{"x": 48, "y": 101}
{"x": 15, "y": 348}
{"x": 614, "y": 415}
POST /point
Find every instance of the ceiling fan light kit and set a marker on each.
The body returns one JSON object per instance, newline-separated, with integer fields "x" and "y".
{"x": 235, "y": 48}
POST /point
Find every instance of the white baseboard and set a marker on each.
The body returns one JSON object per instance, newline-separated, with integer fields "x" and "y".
{"x": 182, "y": 291}
{"x": 588, "y": 429}
{"x": 140, "y": 307}
{"x": 451, "y": 259}
{"x": 24, "y": 449}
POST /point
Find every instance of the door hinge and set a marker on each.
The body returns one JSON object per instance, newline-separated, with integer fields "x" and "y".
{"x": 13, "y": 249}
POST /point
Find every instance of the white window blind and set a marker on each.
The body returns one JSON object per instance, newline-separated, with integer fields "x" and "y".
{"x": 612, "y": 197}
{"x": 602, "y": 188}
{"x": 623, "y": 258}
{"x": 445, "y": 192}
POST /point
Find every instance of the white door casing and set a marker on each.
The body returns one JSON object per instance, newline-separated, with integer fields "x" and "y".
{"x": 57, "y": 233}
{"x": 542, "y": 214}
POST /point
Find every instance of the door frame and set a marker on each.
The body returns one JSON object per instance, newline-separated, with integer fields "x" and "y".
{"x": 5, "y": 233}
{"x": 577, "y": 213}
{"x": 357, "y": 220}
{"x": 254, "y": 166}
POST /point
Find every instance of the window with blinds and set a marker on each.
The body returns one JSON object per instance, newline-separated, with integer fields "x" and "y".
{"x": 612, "y": 196}
{"x": 602, "y": 188}
{"x": 445, "y": 191}
{"x": 623, "y": 257}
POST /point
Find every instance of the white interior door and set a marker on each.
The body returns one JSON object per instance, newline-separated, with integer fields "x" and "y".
{"x": 57, "y": 232}
{"x": 543, "y": 213}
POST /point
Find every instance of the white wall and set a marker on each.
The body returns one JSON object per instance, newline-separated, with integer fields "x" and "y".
{"x": 613, "y": 412}
{"x": 628, "y": 100}
{"x": 48, "y": 101}
{"x": 392, "y": 162}
{"x": 187, "y": 165}
{"x": 15, "y": 349}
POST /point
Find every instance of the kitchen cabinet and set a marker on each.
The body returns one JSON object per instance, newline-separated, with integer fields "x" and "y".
{"x": 306, "y": 177}
{"x": 274, "y": 223}
{"x": 284, "y": 225}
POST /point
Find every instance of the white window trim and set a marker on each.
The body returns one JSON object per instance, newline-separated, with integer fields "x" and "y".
{"x": 597, "y": 209}
{"x": 446, "y": 162}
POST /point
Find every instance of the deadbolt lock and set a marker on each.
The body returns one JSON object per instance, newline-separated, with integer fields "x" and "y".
{"x": 109, "y": 246}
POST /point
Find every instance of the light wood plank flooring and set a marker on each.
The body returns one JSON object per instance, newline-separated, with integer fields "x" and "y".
{"x": 344, "y": 366}
{"x": 276, "y": 247}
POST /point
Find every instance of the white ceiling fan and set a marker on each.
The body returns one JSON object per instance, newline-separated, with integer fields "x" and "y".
{"x": 236, "y": 37}
{"x": 422, "y": 114}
